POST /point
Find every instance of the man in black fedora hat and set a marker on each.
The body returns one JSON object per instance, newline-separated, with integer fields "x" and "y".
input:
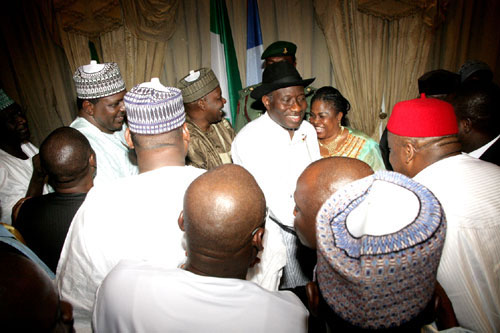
{"x": 276, "y": 148}
{"x": 249, "y": 108}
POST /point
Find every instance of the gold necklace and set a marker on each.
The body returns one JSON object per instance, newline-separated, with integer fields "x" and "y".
{"x": 331, "y": 146}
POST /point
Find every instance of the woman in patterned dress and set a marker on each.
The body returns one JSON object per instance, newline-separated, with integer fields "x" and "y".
{"x": 328, "y": 116}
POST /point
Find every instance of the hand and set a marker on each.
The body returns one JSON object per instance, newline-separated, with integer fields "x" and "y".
{"x": 38, "y": 171}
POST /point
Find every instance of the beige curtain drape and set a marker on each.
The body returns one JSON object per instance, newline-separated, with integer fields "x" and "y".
{"x": 358, "y": 48}
{"x": 374, "y": 59}
{"x": 35, "y": 72}
{"x": 189, "y": 46}
{"x": 408, "y": 44}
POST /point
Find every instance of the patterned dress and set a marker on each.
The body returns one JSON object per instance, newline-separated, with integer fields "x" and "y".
{"x": 361, "y": 146}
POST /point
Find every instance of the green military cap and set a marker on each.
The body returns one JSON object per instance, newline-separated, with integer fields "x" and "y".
{"x": 279, "y": 49}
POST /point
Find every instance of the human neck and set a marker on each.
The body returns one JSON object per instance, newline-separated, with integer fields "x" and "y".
{"x": 436, "y": 154}
{"x": 153, "y": 159}
{"x": 476, "y": 141}
{"x": 82, "y": 186}
{"x": 13, "y": 148}
{"x": 199, "y": 121}
{"x": 215, "y": 267}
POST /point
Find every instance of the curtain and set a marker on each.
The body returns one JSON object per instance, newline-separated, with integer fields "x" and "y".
{"x": 358, "y": 49}
{"x": 408, "y": 44}
{"x": 35, "y": 72}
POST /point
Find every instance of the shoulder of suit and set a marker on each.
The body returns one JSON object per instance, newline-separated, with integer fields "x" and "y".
{"x": 246, "y": 91}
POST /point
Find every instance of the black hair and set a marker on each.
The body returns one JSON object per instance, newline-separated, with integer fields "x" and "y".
{"x": 335, "y": 99}
{"x": 79, "y": 101}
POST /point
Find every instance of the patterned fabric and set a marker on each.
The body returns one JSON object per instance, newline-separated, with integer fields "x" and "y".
{"x": 197, "y": 84}
{"x": 98, "y": 80}
{"x": 379, "y": 277}
{"x": 205, "y": 148}
{"x": 360, "y": 146}
{"x": 5, "y": 101}
{"x": 152, "y": 111}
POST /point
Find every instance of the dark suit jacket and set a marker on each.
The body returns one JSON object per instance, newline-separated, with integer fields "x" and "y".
{"x": 492, "y": 154}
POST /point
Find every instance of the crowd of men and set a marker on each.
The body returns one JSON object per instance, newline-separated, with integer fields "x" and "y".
{"x": 155, "y": 215}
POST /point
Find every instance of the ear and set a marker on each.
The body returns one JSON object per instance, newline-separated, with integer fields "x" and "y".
{"x": 186, "y": 137}
{"x": 88, "y": 108}
{"x": 180, "y": 220}
{"x": 410, "y": 152}
{"x": 257, "y": 239}
{"x": 466, "y": 125}
{"x": 93, "y": 160}
{"x": 339, "y": 116}
{"x": 312, "y": 293}
{"x": 258, "y": 244}
{"x": 266, "y": 101}
{"x": 201, "y": 103}
{"x": 128, "y": 138}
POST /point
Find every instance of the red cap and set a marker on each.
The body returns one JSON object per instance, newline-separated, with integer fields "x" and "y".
{"x": 423, "y": 117}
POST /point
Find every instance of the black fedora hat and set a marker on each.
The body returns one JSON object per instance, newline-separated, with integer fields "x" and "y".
{"x": 279, "y": 75}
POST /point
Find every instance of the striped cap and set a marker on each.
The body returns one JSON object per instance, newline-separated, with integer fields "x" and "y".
{"x": 197, "y": 84}
{"x": 377, "y": 262}
{"x": 153, "y": 108}
{"x": 98, "y": 80}
{"x": 5, "y": 101}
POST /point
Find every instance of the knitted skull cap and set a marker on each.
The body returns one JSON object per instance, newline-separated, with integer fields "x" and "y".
{"x": 5, "y": 100}
{"x": 377, "y": 266}
{"x": 153, "y": 108}
{"x": 98, "y": 80}
{"x": 423, "y": 117}
{"x": 197, "y": 84}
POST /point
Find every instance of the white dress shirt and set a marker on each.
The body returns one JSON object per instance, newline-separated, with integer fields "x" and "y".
{"x": 111, "y": 150}
{"x": 129, "y": 218}
{"x": 469, "y": 271}
{"x": 143, "y": 297}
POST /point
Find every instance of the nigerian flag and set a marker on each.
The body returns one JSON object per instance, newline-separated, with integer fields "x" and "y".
{"x": 224, "y": 63}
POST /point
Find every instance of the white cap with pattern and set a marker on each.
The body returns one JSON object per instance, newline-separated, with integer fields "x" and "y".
{"x": 153, "y": 108}
{"x": 98, "y": 80}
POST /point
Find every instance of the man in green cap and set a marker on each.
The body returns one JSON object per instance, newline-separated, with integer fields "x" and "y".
{"x": 211, "y": 134}
{"x": 249, "y": 108}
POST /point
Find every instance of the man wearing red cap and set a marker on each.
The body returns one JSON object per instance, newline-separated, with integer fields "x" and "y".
{"x": 424, "y": 145}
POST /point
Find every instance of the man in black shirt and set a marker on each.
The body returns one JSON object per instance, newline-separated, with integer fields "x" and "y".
{"x": 44, "y": 221}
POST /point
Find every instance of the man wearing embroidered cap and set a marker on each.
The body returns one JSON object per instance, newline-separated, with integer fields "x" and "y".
{"x": 132, "y": 217}
{"x": 20, "y": 172}
{"x": 211, "y": 134}
{"x": 424, "y": 145}
{"x": 250, "y": 109}
{"x": 377, "y": 267}
{"x": 276, "y": 148}
{"x": 101, "y": 118}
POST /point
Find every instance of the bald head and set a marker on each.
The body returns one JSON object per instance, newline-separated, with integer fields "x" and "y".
{"x": 317, "y": 183}
{"x": 222, "y": 209}
{"x": 66, "y": 157}
{"x": 28, "y": 298}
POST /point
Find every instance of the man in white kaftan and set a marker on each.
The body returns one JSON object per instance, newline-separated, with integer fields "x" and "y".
{"x": 15, "y": 175}
{"x": 101, "y": 118}
{"x": 468, "y": 189}
{"x": 185, "y": 302}
{"x": 111, "y": 150}
{"x": 223, "y": 218}
{"x": 275, "y": 149}
{"x": 424, "y": 145}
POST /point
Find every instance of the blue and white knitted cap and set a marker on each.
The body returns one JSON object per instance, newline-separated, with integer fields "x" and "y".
{"x": 153, "y": 108}
{"x": 379, "y": 242}
{"x": 5, "y": 100}
{"x": 98, "y": 80}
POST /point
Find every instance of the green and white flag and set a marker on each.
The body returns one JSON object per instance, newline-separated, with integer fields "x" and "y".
{"x": 224, "y": 63}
